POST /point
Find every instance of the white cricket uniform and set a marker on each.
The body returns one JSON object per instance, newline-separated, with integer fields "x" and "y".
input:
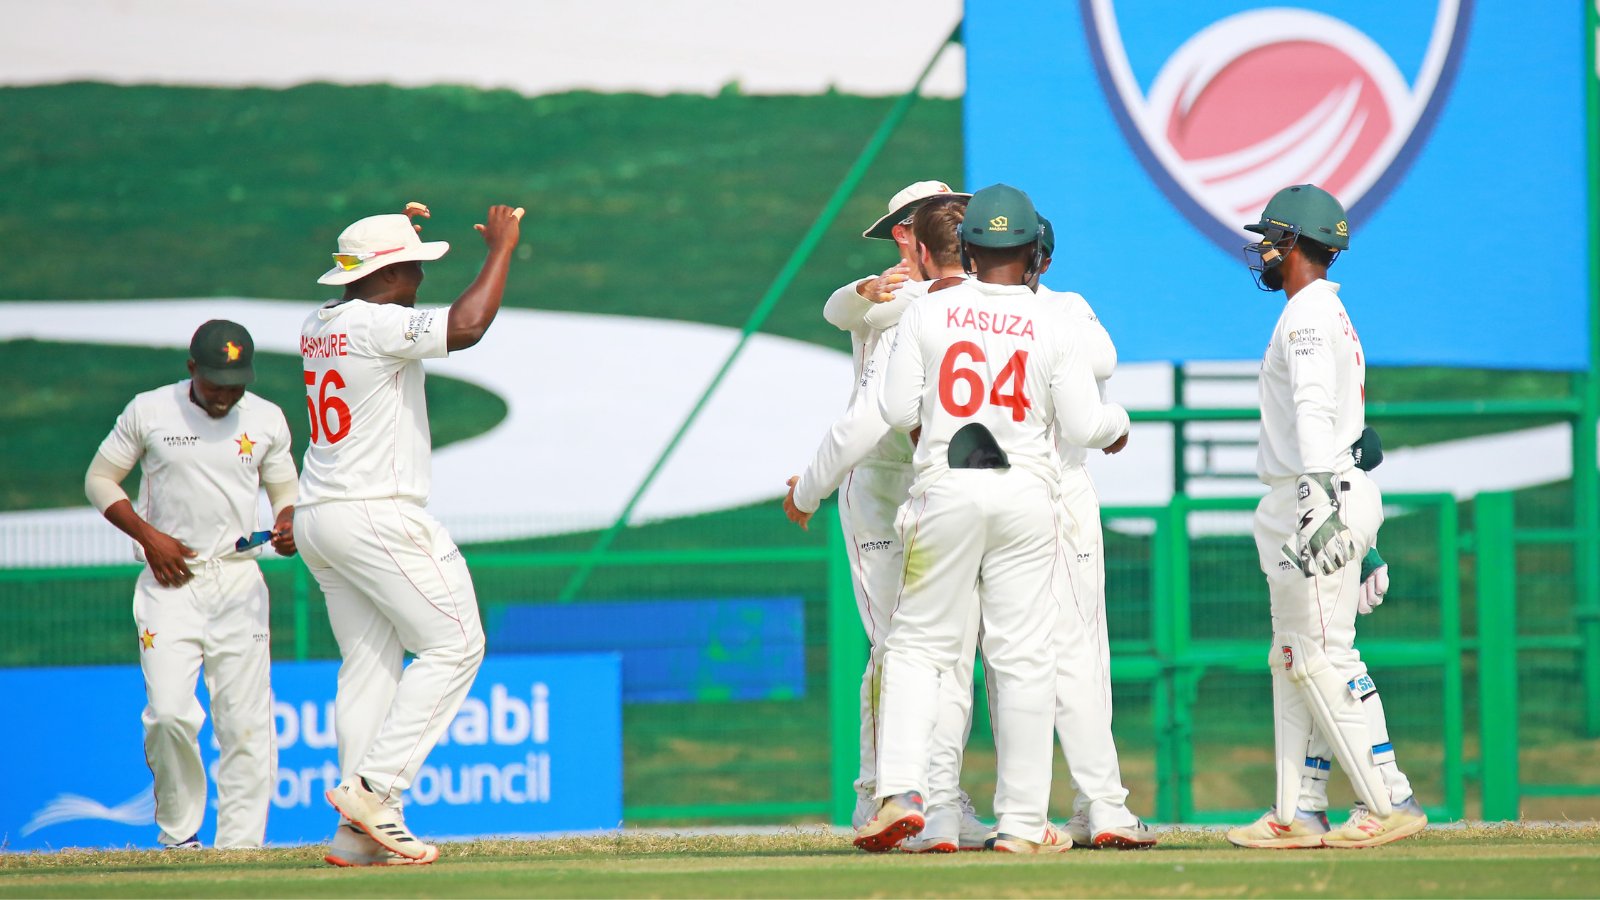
{"x": 1313, "y": 397}
{"x": 394, "y": 580}
{"x": 870, "y": 464}
{"x": 200, "y": 483}
{"x": 998, "y": 356}
{"x": 1084, "y": 551}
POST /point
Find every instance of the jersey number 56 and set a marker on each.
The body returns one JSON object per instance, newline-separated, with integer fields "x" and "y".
{"x": 322, "y": 407}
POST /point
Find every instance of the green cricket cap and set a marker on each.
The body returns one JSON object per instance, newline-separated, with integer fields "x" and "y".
{"x": 1047, "y": 237}
{"x": 1000, "y": 216}
{"x": 223, "y": 353}
{"x": 1312, "y": 211}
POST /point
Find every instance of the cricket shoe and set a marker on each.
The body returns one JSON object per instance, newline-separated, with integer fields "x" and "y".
{"x": 941, "y": 831}
{"x": 897, "y": 818}
{"x": 366, "y": 810}
{"x": 975, "y": 832}
{"x": 950, "y": 827}
{"x": 1056, "y": 840}
{"x": 1305, "y": 832}
{"x": 1137, "y": 836}
{"x": 1363, "y": 829}
{"x": 351, "y": 848}
{"x": 193, "y": 843}
{"x": 865, "y": 807}
{"x": 1078, "y": 829}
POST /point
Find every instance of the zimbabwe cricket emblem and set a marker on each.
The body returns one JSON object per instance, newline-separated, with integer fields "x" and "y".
{"x": 1223, "y": 114}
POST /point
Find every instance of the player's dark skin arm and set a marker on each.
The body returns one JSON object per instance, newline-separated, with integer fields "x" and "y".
{"x": 165, "y": 553}
{"x": 283, "y": 532}
{"x": 470, "y": 316}
{"x": 472, "y": 313}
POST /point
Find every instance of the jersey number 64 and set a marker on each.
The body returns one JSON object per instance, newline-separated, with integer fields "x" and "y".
{"x": 1015, "y": 372}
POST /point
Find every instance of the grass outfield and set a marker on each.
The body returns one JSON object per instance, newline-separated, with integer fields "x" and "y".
{"x": 1519, "y": 861}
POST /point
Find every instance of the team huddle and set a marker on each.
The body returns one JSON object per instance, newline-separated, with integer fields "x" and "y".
{"x": 971, "y": 522}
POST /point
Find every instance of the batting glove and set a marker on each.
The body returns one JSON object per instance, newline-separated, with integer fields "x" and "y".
{"x": 1322, "y": 543}
{"x": 1374, "y": 582}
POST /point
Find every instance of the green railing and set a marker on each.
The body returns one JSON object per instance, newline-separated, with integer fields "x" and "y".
{"x": 1188, "y": 616}
{"x": 1168, "y": 661}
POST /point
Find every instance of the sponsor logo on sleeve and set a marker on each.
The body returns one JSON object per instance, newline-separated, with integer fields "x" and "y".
{"x": 420, "y": 324}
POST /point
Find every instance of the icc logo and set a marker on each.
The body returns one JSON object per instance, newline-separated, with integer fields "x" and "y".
{"x": 1272, "y": 97}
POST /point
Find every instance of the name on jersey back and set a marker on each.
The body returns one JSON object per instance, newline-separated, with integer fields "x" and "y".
{"x": 325, "y": 347}
{"x": 983, "y": 320}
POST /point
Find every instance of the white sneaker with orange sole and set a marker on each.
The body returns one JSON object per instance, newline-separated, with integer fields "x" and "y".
{"x": 383, "y": 823}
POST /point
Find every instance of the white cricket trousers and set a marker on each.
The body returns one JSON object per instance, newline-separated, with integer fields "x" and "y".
{"x": 1083, "y": 675}
{"x": 990, "y": 538}
{"x": 394, "y": 582}
{"x": 869, "y": 501}
{"x": 1324, "y": 608}
{"x": 217, "y": 621}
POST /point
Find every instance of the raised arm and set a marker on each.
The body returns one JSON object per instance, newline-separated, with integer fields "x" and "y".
{"x": 473, "y": 311}
{"x": 848, "y": 306}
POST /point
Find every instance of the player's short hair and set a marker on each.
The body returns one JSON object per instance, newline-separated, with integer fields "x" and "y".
{"x": 1316, "y": 252}
{"x": 935, "y": 225}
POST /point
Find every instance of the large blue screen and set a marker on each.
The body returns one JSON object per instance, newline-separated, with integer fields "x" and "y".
{"x": 1150, "y": 130}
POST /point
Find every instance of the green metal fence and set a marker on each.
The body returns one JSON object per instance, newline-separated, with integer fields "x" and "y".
{"x": 1493, "y": 696}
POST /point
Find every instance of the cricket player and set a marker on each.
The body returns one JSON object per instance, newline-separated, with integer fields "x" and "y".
{"x": 1320, "y": 516}
{"x": 986, "y": 370}
{"x": 864, "y": 456}
{"x": 394, "y": 580}
{"x": 207, "y": 447}
{"x": 1102, "y": 821}
{"x": 876, "y": 485}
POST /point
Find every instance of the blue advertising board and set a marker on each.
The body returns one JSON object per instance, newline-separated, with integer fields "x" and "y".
{"x": 673, "y": 651}
{"x": 536, "y": 748}
{"x": 1150, "y": 131}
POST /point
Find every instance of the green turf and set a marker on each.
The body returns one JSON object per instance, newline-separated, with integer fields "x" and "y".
{"x": 1478, "y": 862}
{"x": 56, "y": 417}
{"x": 680, "y": 207}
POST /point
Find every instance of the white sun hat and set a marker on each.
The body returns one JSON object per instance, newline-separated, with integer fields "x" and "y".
{"x": 375, "y": 242}
{"x": 903, "y": 204}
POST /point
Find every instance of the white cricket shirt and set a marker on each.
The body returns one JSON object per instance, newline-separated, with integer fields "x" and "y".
{"x": 1098, "y": 350}
{"x": 364, "y": 394}
{"x": 1000, "y": 356}
{"x": 201, "y": 477}
{"x": 1313, "y": 388}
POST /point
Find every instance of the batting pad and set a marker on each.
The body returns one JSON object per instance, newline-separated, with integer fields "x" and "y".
{"x": 1338, "y": 714}
{"x": 1291, "y": 732}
